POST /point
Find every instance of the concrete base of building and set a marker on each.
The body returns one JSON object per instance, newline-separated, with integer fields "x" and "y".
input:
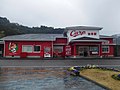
{"x": 12, "y": 56}
{"x": 33, "y": 57}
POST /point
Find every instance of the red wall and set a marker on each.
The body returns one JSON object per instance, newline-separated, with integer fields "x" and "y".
{"x": 20, "y": 43}
{"x": 60, "y": 41}
{"x": 111, "y": 52}
{"x": 109, "y": 39}
{"x": 111, "y": 47}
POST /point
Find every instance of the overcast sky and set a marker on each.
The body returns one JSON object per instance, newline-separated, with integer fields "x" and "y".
{"x": 64, "y": 13}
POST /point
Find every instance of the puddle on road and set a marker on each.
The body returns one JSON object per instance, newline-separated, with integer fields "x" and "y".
{"x": 42, "y": 79}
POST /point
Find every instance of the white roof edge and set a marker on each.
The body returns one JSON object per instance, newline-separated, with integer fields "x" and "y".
{"x": 107, "y": 37}
{"x": 84, "y": 28}
{"x": 109, "y": 44}
{"x": 87, "y": 40}
{"x": 26, "y": 40}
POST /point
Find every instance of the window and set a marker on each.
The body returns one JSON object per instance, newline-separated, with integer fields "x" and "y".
{"x": 30, "y": 48}
{"x": 26, "y": 48}
{"x": 94, "y": 49}
{"x": 59, "y": 49}
{"x": 36, "y": 48}
{"x": 47, "y": 49}
{"x": 105, "y": 49}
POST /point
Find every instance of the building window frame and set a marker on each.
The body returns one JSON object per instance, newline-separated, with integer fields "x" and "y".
{"x": 23, "y": 46}
{"x": 58, "y": 48}
{"x": 105, "y": 49}
{"x": 36, "y": 51}
{"x": 32, "y": 48}
{"x": 94, "y": 49}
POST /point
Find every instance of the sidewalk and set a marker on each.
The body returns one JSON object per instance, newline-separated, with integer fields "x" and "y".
{"x": 80, "y": 58}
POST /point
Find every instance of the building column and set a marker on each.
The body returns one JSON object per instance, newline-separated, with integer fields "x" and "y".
{"x": 52, "y": 51}
{"x": 100, "y": 50}
{"x": 74, "y": 51}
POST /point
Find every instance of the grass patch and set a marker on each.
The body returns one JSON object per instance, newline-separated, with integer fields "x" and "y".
{"x": 103, "y": 77}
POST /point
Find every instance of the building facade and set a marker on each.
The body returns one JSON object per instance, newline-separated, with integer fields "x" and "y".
{"x": 80, "y": 41}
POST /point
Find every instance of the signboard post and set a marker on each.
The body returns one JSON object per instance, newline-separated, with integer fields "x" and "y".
{"x": 47, "y": 52}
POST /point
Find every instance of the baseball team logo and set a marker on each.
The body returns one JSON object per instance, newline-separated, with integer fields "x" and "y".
{"x": 13, "y": 47}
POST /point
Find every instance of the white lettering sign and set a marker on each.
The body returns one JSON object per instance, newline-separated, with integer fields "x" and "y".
{"x": 74, "y": 34}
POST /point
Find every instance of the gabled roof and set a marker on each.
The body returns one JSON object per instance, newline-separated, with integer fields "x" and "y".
{"x": 83, "y": 28}
{"x": 31, "y": 37}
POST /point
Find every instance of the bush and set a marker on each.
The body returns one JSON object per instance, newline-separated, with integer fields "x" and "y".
{"x": 116, "y": 77}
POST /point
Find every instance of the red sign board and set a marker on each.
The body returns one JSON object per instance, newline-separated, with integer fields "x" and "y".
{"x": 68, "y": 50}
{"x": 13, "y": 48}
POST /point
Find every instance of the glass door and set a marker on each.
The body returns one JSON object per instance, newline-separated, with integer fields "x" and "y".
{"x": 80, "y": 51}
{"x": 83, "y": 51}
{"x": 86, "y": 51}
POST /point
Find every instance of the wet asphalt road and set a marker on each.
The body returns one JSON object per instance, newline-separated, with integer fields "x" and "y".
{"x": 43, "y": 78}
{"x": 57, "y": 63}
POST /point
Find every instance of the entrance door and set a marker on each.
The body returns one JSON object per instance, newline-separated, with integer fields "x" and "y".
{"x": 86, "y": 51}
{"x": 83, "y": 51}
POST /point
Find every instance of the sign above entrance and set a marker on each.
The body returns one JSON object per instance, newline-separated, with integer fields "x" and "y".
{"x": 77, "y": 33}
{"x": 74, "y": 34}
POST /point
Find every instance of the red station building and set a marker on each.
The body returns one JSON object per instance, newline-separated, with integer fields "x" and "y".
{"x": 79, "y": 41}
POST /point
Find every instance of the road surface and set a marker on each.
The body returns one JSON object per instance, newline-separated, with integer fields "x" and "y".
{"x": 57, "y": 63}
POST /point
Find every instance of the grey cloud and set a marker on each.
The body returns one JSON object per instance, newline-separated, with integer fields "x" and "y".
{"x": 62, "y": 13}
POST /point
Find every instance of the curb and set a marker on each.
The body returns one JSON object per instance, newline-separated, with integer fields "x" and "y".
{"x": 92, "y": 58}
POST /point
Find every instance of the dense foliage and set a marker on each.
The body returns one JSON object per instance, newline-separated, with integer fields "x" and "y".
{"x": 8, "y": 28}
